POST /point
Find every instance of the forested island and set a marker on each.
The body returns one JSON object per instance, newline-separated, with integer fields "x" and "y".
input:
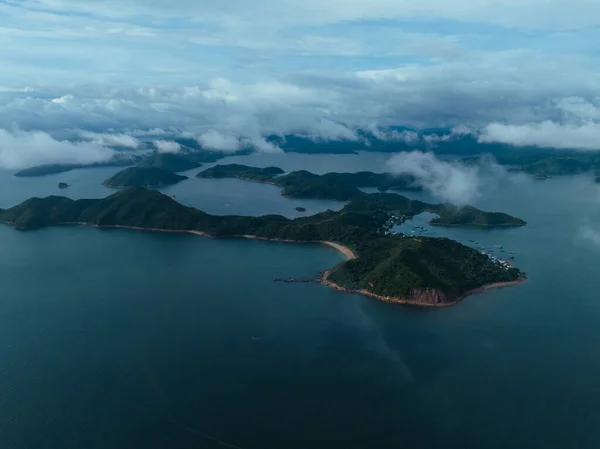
{"x": 392, "y": 267}
{"x": 172, "y": 162}
{"x": 303, "y": 184}
{"x": 563, "y": 165}
{"x": 51, "y": 169}
{"x": 143, "y": 176}
{"x": 345, "y": 187}
{"x": 243, "y": 172}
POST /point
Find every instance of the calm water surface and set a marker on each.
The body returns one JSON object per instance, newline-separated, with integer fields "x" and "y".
{"x": 120, "y": 339}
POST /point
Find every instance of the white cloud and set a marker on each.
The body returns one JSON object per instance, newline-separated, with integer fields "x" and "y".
{"x": 106, "y": 139}
{"x": 408, "y": 137}
{"x": 20, "y": 149}
{"x": 328, "y": 130}
{"x": 545, "y": 134}
{"x": 167, "y": 146}
{"x": 214, "y": 140}
{"x": 262, "y": 145}
{"x": 590, "y": 235}
{"x": 450, "y": 181}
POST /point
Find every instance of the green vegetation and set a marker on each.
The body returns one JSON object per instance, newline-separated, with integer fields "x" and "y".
{"x": 143, "y": 176}
{"x": 404, "y": 267}
{"x": 565, "y": 165}
{"x": 344, "y": 187}
{"x": 450, "y": 215}
{"x": 388, "y": 265}
{"x": 170, "y": 162}
{"x": 51, "y": 169}
{"x": 244, "y": 172}
{"x": 303, "y": 184}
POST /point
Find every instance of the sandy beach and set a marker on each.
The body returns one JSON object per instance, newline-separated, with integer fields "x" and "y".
{"x": 343, "y": 249}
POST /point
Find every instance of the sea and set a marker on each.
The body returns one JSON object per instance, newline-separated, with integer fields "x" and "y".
{"x": 118, "y": 339}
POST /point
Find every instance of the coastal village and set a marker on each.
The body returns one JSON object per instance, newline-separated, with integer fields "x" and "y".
{"x": 397, "y": 225}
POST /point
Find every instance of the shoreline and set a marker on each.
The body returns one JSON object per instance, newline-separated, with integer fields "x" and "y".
{"x": 406, "y": 301}
{"x": 341, "y": 248}
{"x": 324, "y": 277}
{"x": 443, "y": 225}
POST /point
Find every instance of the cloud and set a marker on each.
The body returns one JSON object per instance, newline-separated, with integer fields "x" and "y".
{"x": 214, "y": 140}
{"x": 167, "y": 146}
{"x": 21, "y": 149}
{"x": 106, "y": 139}
{"x": 127, "y": 70}
{"x": 545, "y": 134}
{"x": 590, "y": 235}
{"x": 408, "y": 137}
{"x": 450, "y": 181}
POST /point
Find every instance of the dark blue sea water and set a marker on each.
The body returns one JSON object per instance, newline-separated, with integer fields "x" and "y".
{"x": 120, "y": 339}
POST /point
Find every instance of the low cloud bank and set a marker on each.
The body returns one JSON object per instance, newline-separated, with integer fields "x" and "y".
{"x": 21, "y": 149}
{"x": 449, "y": 181}
{"x": 166, "y": 146}
{"x": 545, "y": 134}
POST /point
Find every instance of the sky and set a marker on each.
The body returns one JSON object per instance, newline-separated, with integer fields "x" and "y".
{"x": 82, "y": 75}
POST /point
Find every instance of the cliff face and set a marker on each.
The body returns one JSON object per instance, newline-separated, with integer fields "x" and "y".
{"x": 427, "y": 296}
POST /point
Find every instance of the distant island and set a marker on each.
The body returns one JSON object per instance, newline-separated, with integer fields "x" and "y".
{"x": 185, "y": 160}
{"x": 566, "y": 165}
{"x": 450, "y": 215}
{"x": 171, "y": 162}
{"x": 52, "y": 169}
{"x": 345, "y": 187}
{"x": 143, "y": 176}
{"x": 243, "y": 172}
{"x": 301, "y": 209}
{"x": 541, "y": 177}
{"x": 63, "y": 185}
{"x": 303, "y": 184}
{"x": 392, "y": 267}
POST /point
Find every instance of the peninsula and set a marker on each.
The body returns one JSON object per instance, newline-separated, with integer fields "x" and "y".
{"x": 51, "y": 169}
{"x": 388, "y": 266}
{"x": 170, "y": 162}
{"x": 143, "y": 176}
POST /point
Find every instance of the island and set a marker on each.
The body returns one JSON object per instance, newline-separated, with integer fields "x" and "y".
{"x": 143, "y": 176}
{"x": 562, "y": 165}
{"x": 382, "y": 264}
{"x": 121, "y": 160}
{"x": 244, "y": 172}
{"x": 345, "y": 187}
{"x": 301, "y": 209}
{"x": 450, "y": 215}
{"x": 304, "y": 184}
{"x": 170, "y": 162}
{"x": 63, "y": 185}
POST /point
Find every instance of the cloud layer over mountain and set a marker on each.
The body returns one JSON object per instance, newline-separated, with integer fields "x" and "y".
{"x": 115, "y": 73}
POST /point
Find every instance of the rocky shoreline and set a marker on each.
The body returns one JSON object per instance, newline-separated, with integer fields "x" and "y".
{"x": 341, "y": 248}
{"x": 420, "y": 297}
